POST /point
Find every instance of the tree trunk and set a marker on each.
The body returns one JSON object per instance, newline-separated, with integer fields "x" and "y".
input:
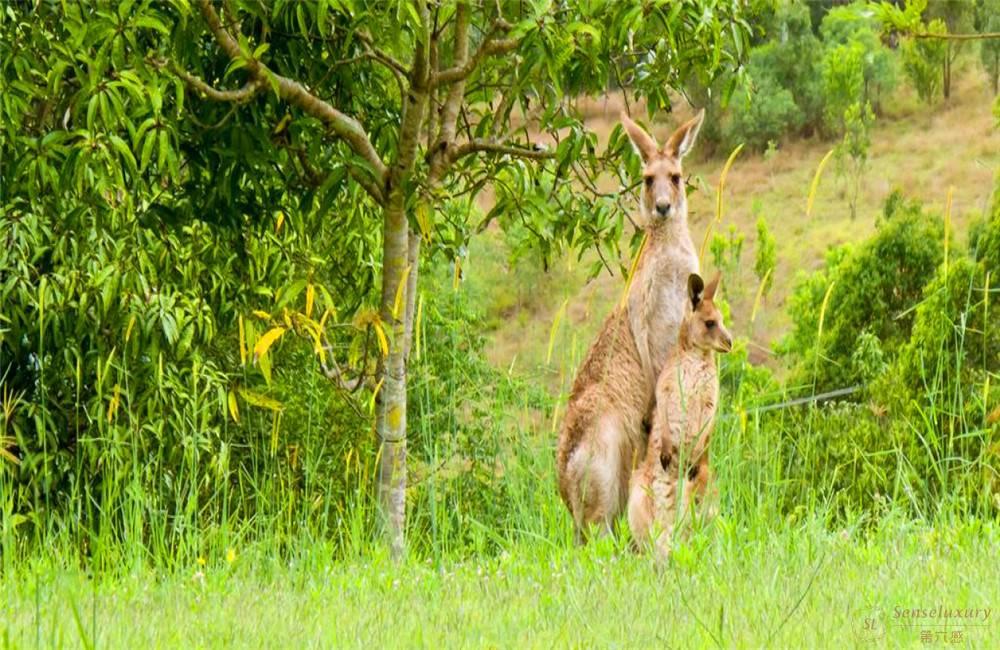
{"x": 390, "y": 418}
{"x": 390, "y": 421}
{"x": 947, "y": 73}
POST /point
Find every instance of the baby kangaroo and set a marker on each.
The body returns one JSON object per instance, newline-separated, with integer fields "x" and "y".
{"x": 675, "y": 468}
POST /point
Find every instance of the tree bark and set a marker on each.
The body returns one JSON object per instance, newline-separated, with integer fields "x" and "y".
{"x": 390, "y": 421}
{"x": 390, "y": 418}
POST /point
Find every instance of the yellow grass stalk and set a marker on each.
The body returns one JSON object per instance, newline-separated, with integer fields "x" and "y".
{"x": 947, "y": 225}
{"x": 116, "y": 399}
{"x": 632, "y": 268}
{"x": 815, "y": 183}
{"x": 128, "y": 330}
{"x": 416, "y": 325}
{"x": 310, "y": 299}
{"x": 822, "y": 310}
{"x": 760, "y": 294}
{"x": 243, "y": 342}
{"x": 718, "y": 201}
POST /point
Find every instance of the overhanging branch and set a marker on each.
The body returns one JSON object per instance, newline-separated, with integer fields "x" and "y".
{"x": 490, "y": 146}
{"x": 199, "y": 85}
{"x": 490, "y": 46}
{"x": 344, "y": 126}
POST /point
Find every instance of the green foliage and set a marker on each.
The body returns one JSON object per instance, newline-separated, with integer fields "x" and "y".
{"x": 727, "y": 254}
{"x": 843, "y": 84}
{"x": 765, "y": 116}
{"x": 766, "y": 256}
{"x": 923, "y": 59}
{"x": 857, "y": 24}
{"x": 784, "y": 93}
{"x": 924, "y": 349}
{"x": 853, "y": 150}
{"x": 875, "y": 288}
{"x": 988, "y": 19}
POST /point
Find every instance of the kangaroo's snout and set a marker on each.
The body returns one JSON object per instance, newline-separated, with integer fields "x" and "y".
{"x": 663, "y": 208}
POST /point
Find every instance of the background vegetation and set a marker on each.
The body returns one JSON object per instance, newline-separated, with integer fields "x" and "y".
{"x": 195, "y": 329}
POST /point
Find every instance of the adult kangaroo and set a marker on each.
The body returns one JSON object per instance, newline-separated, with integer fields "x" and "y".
{"x": 603, "y": 436}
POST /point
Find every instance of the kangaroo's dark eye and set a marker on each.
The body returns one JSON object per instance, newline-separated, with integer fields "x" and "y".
{"x": 676, "y": 178}
{"x": 649, "y": 181}
{"x": 710, "y": 324}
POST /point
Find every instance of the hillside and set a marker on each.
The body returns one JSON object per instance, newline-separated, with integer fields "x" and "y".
{"x": 921, "y": 150}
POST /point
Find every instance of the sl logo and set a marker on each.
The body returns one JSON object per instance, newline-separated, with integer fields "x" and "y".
{"x": 870, "y": 626}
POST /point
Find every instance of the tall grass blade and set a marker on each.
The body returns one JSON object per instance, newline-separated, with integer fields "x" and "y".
{"x": 718, "y": 201}
{"x": 815, "y": 182}
{"x": 632, "y": 268}
{"x": 554, "y": 330}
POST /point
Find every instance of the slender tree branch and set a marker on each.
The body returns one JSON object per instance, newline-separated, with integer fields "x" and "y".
{"x": 382, "y": 56}
{"x": 374, "y": 190}
{"x": 196, "y": 83}
{"x": 346, "y": 127}
{"x": 958, "y": 37}
{"x": 490, "y": 46}
{"x": 490, "y": 146}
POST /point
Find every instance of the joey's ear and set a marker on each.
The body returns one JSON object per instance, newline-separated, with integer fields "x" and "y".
{"x": 682, "y": 140}
{"x": 644, "y": 143}
{"x": 695, "y": 288}
{"x": 712, "y": 287}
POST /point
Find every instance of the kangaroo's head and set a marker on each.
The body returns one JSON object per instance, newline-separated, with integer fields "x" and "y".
{"x": 663, "y": 192}
{"x": 703, "y": 328}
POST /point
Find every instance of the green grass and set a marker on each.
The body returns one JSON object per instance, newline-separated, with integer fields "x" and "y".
{"x": 276, "y": 553}
{"x": 796, "y": 585}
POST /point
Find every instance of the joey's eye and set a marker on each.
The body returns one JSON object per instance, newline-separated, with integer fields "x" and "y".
{"x": 676, "y": 179}
{"x": 710, "y": 324}
{"x": 649, "y": 181}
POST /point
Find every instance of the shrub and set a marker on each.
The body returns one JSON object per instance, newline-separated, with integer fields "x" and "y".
{"x": 766, "y": 256}
{"x": 875, "y": 287}
{"x": 857, "y": 24}
{"x": 989, "y": 49}
{"x": 764, "y": 115}
{"x": 923, "y": 59}
{"x": 843, "y": 84}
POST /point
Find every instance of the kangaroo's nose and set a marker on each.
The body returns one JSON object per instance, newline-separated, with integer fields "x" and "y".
{"x": 662, "y": 208}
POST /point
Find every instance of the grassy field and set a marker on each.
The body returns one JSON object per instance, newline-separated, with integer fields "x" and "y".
{"x": 731, "y": 586}
{"x": 755, "y": 577}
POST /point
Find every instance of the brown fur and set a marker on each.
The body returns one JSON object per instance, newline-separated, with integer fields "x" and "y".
{"x": 603, "y": 436}
{"x": 675, "y": 469}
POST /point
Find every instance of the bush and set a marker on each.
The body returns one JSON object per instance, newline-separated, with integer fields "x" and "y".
{"x": 765, "y": 115}
{"x": 856, "y": 24}
{"x": 927, "y": 438}
{"x": 875, "y": 287}
{"x": 923, "y": 59}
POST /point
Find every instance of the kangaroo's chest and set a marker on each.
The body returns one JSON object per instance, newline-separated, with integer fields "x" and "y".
{"x": 657, "y": 320}
{"x": 688, "y": 393}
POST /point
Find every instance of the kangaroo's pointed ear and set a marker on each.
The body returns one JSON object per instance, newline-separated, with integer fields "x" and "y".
{"x": 682, "y": 140}
{"x": 643, "y": 143}
{"x": 695, "y": 288}
{"x": 712, "y": 287}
